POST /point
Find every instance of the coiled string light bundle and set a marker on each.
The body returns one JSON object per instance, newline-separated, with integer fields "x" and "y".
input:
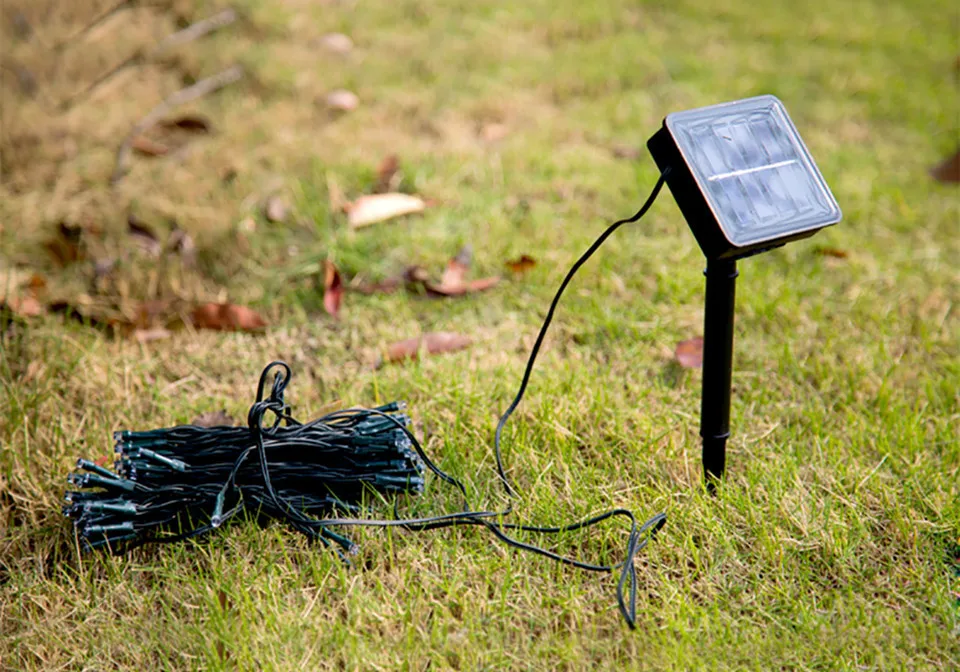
{"x": 182, "y": 482}
{"x": 177, "y": 477}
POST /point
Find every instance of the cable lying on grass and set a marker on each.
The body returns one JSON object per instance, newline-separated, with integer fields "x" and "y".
{"x": 173, "y": 484}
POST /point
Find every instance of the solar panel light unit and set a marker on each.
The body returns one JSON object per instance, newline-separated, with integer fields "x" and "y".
{"x": 742, "y": 177}
{"x": 746, "y": 183}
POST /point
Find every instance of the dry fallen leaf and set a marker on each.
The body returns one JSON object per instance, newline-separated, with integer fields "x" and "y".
{"x": 332, "y": 290}
{"x": 194, "y": 123}
{"x": 522, "y": 264}
{"x": 454, "y": 282}
{"x": 457, "y": 268}
{"x": 36, "y": 283}
{"x": 214, "y": 419}
{"x": 689, "y": 353}
{"x": 375, "y": 208}
{"x": 433, "y": 343}
{"x": 386, "y": 172}
{"x": 143, "y": 236}
{"x": 834, "y": 252}
{"x": 168, "y": 135}
{"x": 226, "y": 317}
{"x": 948, "y": 170}
{"x": 147, "y": 147}
{"x": 23, "y": 306}
{"x": 336, "y": 43}
{"x": 342, "y": 100}
{"x": 65, "y": 246}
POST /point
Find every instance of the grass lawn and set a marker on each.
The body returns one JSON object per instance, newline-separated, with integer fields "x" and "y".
{"x": 833, "y": 542}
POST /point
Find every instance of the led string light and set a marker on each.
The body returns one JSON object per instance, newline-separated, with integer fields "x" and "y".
{"x": 182, "y": 482}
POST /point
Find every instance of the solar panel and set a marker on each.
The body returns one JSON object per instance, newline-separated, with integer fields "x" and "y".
{"x": 751, "y": 169}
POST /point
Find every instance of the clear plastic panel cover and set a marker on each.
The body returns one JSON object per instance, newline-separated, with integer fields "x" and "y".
{"x": 753, "y": 169}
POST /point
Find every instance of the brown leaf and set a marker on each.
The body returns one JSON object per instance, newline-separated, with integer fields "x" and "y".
{"x": 332, "y": 290}
{"x": 386, "y": 172}
{"x": 457, "y": 268}
{"x": 689, "y": 353}
{"x": 226, "y": 317}
{"x": 37, "y": 283}
{"x": 522, "y": 264}
{"x": 150, "y": 335}
{"x": 433, "y": 343}
{"x": 23, "y": 306}
{"x": 147, "y": 147}
{"x": 834, "y": 252}
{"x": 481, "y": 284}
{"x": 65, "y": 246}
{"x": 222, "y": 600}
{"x": 103, "y": 460}
{"x": 70, "y": 232}
{"x": 342, "y": 100}
{"x": 948, "y": 170}
{"x": 215, "y": 419}
{"x": 143, "y": 236}
{"x": 375, "y": 208}
{"x": 194, "y": 123}
{"x": 276, "y": 209}
{"x": 454, "y": 283}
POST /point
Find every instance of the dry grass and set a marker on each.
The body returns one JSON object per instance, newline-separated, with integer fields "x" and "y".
{"x": 829, "y": 547}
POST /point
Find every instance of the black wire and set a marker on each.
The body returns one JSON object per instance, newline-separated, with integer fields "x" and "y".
{"x": 549, "y": 318}
{"x": 161, "y": 498}
{"x": 634, "y": 544}
{"x": 628, "y": 609}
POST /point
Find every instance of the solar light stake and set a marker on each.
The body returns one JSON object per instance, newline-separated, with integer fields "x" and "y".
{"x": 745, "y": 183}
{"x": 717, "y": 365}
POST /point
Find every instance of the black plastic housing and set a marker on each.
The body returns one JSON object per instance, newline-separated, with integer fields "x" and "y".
{"x": 693, "y": 204}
